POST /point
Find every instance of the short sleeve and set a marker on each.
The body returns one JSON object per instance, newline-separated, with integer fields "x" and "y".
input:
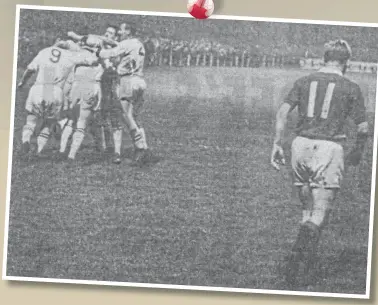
{"x": 34, "y": 65}
{"x": 358, "y": 109}
{"x": 294, "y": 96}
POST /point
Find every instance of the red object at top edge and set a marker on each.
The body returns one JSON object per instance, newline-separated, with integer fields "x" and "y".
{"x": 198, "y": 11}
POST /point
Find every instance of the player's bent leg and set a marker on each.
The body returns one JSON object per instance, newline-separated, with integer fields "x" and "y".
{"x": 28, "y": 131}
{"x": 68, "y": 129}
{"x": 79, "y": 134}
{"x": 299, "y": 158}
{"x": 137, "y": 135}
{"x": 322, "y": 204}
{"x": 66, "y": 134}
{"x": 296, "y": 256}
{"x": 305, "y": 198}
{"x": 44, "y": 134}
{"x": 323, "y": 199}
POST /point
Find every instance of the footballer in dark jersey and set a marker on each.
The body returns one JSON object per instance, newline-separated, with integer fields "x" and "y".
{"x": 324, "y": 101}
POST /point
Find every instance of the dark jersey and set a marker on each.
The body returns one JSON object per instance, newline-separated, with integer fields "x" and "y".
{"x": 325, "y": 101}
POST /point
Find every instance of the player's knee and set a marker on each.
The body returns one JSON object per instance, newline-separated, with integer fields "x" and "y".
{"x": 81, "y": 123}
{"x": 321, "y": 209}
{"x": 324, "y": 195}
{"x": 318, "y": 217}
{"x": 31, "y": 120}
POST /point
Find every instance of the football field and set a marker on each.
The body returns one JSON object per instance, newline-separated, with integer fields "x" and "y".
{"x": 212, "y": 213}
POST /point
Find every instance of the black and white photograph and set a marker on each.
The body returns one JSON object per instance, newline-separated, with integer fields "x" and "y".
{"x": 157, "y": 150}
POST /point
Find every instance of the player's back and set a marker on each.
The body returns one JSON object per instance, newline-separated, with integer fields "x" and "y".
{"x": 88, "y": 74}
{"x": 54, "y": 64}
{"x": 325, "y": 100}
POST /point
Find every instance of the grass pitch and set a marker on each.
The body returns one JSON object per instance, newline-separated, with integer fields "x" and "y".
{"x": 212, "y": 213}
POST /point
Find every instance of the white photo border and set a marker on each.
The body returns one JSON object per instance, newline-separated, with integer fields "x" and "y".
{"x": 166, "y": 286}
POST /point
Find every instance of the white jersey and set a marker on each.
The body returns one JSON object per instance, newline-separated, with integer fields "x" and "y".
{"x": 88, "y": 74}
{"x": 54, "y": 64}
{"x": 130, "y": 55}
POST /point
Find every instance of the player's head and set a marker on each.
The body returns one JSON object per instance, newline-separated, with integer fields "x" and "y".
{"x": 337, "y": 52}
{"x": 59, "y": 36}
{"x": 111, "y": 32}
{"x": 125, "y": 31}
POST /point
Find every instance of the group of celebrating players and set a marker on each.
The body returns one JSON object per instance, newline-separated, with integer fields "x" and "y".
{"x": 87, "y": 80}
{"x": 102, "y": 77}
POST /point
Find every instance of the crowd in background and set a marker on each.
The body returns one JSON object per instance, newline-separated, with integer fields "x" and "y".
{"x": 189, "y": 42}
{"x": 173, "y": 52}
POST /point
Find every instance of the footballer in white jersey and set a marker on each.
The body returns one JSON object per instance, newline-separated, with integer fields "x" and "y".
{"x": 85, "y": 94}
{"x": 129, "y": 57}
{"x": 53, "y": 65}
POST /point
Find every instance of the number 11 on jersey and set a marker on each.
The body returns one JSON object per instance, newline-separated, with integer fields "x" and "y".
{"x": 326, "y": 101}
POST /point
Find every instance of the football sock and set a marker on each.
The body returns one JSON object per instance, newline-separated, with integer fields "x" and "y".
{"x": 144, "y": 138}
{"x": 312, "y": 243}
{"x": 27, "y": 133}
{"x": 77, "y": 139}
{"x": 101, "y": 138}
{"x": 42, "y": 139}
{"x": 301, "y": 240}
{"x": 137, "y": 138}
{"x": 28, "y": 129}
{"x": 117, "y": 137}
{"x": 67, "y": 132}
{"x": 62, "y": 122}
{"x": 107, "y": 136}
{"x": 79, "y": 134}
{"x": 306, "y": 215}
{"x": 318, "y": 216}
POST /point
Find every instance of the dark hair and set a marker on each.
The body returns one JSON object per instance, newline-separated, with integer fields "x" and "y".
{"x": 113, "y": 27}
{"x": 337, "y": 50}
{"x": 130, "y": 27}
{"x": 61, "y": 35}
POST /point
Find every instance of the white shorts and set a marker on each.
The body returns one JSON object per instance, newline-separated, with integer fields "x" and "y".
{"x": 85, "y": 94}
{"x": 131, "y": 88}
{"x": 45, "y": 101}
{"x": 317, "y": 163}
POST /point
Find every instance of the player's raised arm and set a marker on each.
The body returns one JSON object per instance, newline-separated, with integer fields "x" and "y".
{"x": 85, "y": 58}
{"x": 75, "y": 36}
{"x": 92, "y": 40}
{"x": 68, "y": 45}
{"x": 113, "y": 52}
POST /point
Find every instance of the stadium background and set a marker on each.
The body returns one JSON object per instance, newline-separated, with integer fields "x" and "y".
{"x": 233, "y": 42}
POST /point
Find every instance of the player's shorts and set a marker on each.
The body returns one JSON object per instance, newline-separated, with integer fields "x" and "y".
{"x": 317, "y": 163}
{"x": 85, "y": 94}
{"x": 131, "y": 88}
{"x": 45, "y": 101}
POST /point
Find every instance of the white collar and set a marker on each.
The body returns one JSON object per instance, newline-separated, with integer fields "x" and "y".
{"x": 331, "y": 70}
